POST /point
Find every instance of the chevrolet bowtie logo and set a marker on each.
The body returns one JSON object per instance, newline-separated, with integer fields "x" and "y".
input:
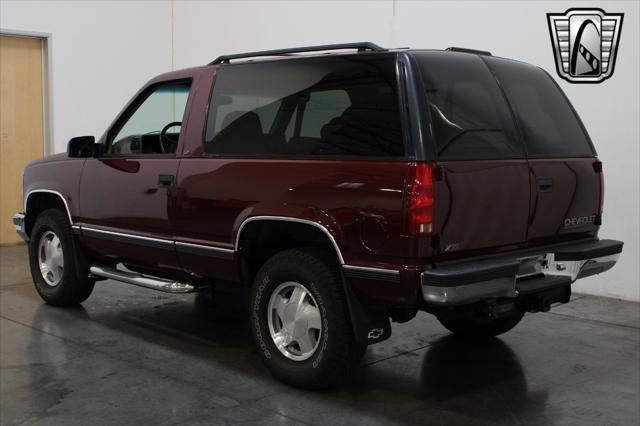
{"x": 585, "y": 43}
{"x": 375, "y": 333}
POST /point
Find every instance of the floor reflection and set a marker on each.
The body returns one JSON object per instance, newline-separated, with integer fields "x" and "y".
{"x": 453, "y": 366}
{"x": 480, "y": 379}
{"x": 483, "y": 381}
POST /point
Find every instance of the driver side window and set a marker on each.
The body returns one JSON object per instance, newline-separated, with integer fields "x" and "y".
{"x": 154, "y": 126}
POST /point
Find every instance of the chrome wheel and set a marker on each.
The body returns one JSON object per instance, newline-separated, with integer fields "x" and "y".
{"x": 51, "y": 258}
{"x": 295, "y": 323}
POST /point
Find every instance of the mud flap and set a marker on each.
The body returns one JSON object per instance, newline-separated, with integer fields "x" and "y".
{"x": 370, "y": 324}
{"x": 80, "y": 258}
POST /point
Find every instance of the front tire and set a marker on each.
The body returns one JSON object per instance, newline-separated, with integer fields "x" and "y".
{"x": 477, "y": 328}
{"x": 300, "y": 321}
{"x": 52, "y": 261}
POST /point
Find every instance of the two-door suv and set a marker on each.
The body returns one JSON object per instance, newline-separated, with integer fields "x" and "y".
{"x": 348, "y": 185}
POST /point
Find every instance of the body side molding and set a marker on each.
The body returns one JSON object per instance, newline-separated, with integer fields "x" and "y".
{"x": 127, "y": 238}
{"x": 162, "y": 243}
{"x": 376, "y": 274}
{"x": 207, "y": 251}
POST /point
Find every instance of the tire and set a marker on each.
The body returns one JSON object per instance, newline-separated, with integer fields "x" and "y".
{"x": 478, "y": 329}
{"x": 52, "y": 244}
{"x": 327, "y": 353}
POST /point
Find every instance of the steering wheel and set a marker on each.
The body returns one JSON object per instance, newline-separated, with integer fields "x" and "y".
{"x": 164, "y": 138}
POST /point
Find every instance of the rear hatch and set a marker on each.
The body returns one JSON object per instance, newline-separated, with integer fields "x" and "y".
{"x": 513, "y": 164}
{"x": 565, "y": 175}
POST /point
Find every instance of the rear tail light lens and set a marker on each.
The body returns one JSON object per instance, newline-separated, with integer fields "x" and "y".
{"x": 601, "y": 191}
{"x": 421, "y": 200}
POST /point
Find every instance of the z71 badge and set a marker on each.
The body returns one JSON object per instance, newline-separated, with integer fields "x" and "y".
{"x": 585, "y": 43}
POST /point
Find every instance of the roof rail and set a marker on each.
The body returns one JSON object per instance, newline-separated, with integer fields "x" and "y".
{"x": 465, "y": 50}
{"x": 361, "y": 47}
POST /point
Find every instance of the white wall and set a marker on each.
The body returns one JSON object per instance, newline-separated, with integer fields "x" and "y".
{"x": 103, "y": 52}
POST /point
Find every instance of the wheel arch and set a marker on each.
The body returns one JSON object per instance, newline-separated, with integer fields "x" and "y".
{"x": 292, "y": 220}
{"x": 260, "y": 237}
{"x": 38, "y": 200}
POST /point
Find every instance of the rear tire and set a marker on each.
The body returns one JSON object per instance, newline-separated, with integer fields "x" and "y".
{"x": 52, "y": 261}
{"x": 298, "y": 301}
{"x": 478, "y": 329}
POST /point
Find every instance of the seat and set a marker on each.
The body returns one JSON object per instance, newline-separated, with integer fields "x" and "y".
{"x": 241, "y": 134}
{"x": 362, "y": 130}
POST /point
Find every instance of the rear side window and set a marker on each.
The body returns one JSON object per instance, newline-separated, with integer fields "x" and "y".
{"x": 469, "y": 114}
{"x": 334, "y": 106}
{"x": 549, "y": 125}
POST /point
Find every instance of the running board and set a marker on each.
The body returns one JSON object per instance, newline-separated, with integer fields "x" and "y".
{"x": 141, "y": 280}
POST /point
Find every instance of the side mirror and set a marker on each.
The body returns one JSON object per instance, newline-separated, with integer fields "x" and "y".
{"x": 81, "y": 147}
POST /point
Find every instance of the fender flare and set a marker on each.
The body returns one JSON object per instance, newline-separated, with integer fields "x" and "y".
{"x": 293, "y": 220}
{"x": 50, "y": 191}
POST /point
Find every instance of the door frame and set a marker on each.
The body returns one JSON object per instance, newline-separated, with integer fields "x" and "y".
{"x": 47, "y": 86}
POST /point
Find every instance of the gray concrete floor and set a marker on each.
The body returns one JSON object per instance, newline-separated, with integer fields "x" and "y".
{"x": 134, "y": 356}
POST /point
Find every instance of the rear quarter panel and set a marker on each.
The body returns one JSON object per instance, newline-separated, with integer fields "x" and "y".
{"x": 361, "y": 203}
{"x": 364, "y": 199}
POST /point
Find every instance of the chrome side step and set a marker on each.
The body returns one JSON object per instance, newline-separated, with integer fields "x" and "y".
{"x": 146, "y": 281}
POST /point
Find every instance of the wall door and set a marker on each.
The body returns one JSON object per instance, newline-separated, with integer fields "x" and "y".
{"x": 21, "y": 122}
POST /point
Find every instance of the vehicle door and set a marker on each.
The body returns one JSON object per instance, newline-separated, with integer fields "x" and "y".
{"x": 125, "y": 193}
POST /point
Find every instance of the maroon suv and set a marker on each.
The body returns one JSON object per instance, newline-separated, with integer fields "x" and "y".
{"x": 348, "y": 187}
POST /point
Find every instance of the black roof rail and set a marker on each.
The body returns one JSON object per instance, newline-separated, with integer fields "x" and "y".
{"x": 361, "y": 47}
{"x": 465, "y": 50}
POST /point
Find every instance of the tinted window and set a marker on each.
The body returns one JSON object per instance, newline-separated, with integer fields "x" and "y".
{"x": 147, "y": 129}
{"x": 340, "y": 105}
{"x": 549, "y": 125}
{"x": 321, "y": 108}
{"x": 470, "y": 117}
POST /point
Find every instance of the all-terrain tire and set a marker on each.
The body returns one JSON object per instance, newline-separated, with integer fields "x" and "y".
{"x": 59, "y": 285}
{"x": 336, "y": 352}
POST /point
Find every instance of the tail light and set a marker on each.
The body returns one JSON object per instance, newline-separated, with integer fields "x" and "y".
{"x": 601, "y": 174}
{"x": 597, "y": 167}
{"x": 421, "y": 200}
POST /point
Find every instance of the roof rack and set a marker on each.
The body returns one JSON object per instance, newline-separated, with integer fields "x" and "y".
{"x": 361, "y": 47}
{"x": 465, "y": 50}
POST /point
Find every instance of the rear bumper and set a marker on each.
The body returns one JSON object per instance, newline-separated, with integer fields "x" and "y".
{"x": 508, "y": 276}
{"x": 18, "y": 223}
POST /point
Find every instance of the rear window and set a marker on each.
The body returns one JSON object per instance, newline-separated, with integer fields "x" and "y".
{"x": 469, "y": 114}
{"x": 333, "y": 106}
{"x": 549, "y": 125}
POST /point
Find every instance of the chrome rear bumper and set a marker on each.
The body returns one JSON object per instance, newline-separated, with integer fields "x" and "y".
{"x": 458, "y": 283}
{"x": 18, "y": 223}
